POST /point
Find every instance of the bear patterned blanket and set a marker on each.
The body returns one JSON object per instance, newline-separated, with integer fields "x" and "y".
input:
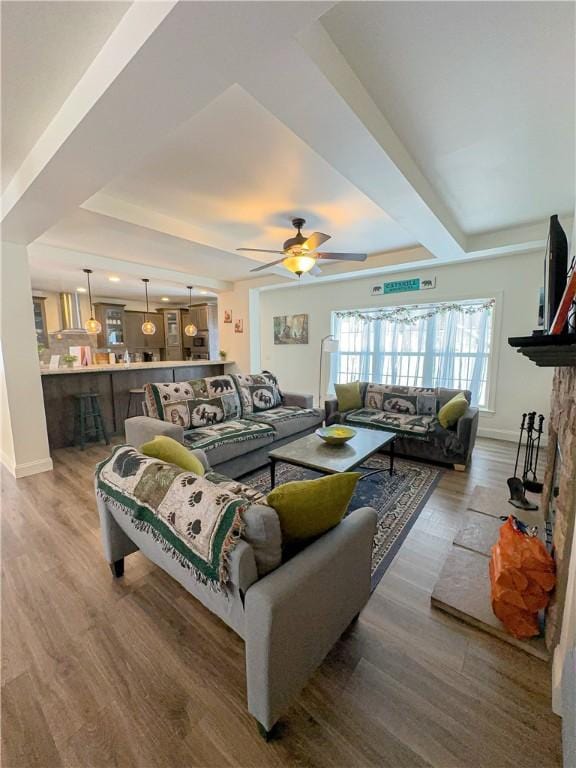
{"x": 196, "y": 522}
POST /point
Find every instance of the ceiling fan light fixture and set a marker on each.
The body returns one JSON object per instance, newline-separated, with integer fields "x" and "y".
{"x": 299, "y": 264}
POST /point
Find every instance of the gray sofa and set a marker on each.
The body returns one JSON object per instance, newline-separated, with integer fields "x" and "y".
{"x": 235, "y": 419}
{"x": 290, "y": 615}
{"x": 411, "y": 412}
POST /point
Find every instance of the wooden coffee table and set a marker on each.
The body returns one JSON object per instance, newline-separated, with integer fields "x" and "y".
{"x": 312, "y": 452}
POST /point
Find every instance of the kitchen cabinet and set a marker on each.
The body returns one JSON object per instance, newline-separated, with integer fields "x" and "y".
{"x": 111, "y": 318}
{"x": 133, "y": 330}
{"x": 156, "y": 341}
{"x": 40, "y": 320}
{"x": 173, "y": 349}
{"x": 199, "y": 316}
{"x": 205, "y": 318}
{"x": 135, "y": 339}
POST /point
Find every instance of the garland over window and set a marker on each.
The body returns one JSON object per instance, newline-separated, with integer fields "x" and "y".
{"x": 422, "y": 345}
{"x": 407, "y": 315}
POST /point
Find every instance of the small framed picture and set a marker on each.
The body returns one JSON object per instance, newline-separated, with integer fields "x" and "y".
{"x": 239, "y": 326}
{"x": 54, "y": 362}
{"x": 227, "y": 315}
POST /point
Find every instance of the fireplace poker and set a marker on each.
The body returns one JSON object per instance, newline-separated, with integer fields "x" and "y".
{"x": 519, "y": 443}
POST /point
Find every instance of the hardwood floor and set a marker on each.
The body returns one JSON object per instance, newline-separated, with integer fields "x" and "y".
{"x": 135, "y": 672}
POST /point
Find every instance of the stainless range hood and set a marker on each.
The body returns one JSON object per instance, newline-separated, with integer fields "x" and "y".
{"x": 71, "y": 313}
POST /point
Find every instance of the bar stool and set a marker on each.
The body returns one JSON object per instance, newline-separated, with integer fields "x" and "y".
{"x": 88, "y": 421}
{"x": 134, "y": 393}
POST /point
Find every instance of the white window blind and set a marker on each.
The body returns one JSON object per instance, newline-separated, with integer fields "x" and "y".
{"x": 429, "y": 348}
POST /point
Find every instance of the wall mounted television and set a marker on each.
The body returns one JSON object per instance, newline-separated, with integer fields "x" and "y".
{"x": 556, "y": 269}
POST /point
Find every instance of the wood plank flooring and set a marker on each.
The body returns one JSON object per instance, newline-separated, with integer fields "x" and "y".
{"x": 135, "y": 672}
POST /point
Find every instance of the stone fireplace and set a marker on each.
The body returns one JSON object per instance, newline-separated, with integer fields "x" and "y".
{"x": 559, "y": 493}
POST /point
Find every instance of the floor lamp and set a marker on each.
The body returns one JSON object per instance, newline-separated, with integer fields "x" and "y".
{"x": 328, "y": 344}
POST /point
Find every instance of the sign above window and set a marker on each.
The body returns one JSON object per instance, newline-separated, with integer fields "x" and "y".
{"x": 404, "y": 286}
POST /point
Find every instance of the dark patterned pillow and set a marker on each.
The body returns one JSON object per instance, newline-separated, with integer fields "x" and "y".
{"x": 396, "y": 403}
{"x": 258, "y": 392}
{"x": 196, "y": 403}
{"x": 427, "y": 405}
{"x": 392, "y": 399}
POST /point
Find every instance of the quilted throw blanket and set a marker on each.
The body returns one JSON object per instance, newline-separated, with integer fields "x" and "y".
{"x": 236, "y": 431}
{"x": 196, "y": 522}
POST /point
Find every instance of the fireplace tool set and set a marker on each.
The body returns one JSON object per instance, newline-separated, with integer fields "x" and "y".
{"x": 532, "y": 427}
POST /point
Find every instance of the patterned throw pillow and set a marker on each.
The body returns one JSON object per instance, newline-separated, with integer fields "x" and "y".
{"x": 392, "y": 399}
{"x": 258, "y": 392}
{"x": 421, "y": 401}
{"x": 197, "y": 403}
{"x": 427, "y": 404}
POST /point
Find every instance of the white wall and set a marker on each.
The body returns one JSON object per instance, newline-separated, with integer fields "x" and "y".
{"x": 24, "y": 440}
{"x": 238, "y": 345}
{"x": 513, "y": 280}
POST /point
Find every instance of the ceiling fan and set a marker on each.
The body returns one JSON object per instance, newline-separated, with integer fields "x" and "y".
{"x": 300, "y": 254}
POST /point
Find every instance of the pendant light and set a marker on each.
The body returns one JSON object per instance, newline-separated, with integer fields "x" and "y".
{"x": 91, "y": 325}
{"x": 148, "y": 327}
{"x": 190, "y": 329}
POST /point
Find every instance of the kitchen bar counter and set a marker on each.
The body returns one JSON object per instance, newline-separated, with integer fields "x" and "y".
{"x": 107, "y": 367}
{"x": 113, "y": 383}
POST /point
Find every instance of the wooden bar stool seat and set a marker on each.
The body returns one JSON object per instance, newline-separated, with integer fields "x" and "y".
{"x": 136, "y": 392}
{"x": 88, "y": 421}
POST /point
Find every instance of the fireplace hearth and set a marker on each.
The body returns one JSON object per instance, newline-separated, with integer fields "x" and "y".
{"x": 463, "y": 587}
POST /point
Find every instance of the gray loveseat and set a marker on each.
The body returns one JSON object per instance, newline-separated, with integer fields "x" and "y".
{"x": 289, "y": 614}
{"x": 235, "y": 419}
{"x": 411, "y": 412}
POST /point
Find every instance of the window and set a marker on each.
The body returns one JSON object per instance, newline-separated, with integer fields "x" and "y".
{"x": 425, "y": 345}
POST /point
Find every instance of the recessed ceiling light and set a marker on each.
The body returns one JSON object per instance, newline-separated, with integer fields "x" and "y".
{"x": 80, "y": 290}
{"x": 164, "y": 298}
{"x": 114, "y": 279}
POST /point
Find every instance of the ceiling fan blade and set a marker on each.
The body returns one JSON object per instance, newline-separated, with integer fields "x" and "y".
{"x": 315, "y": 241}
{"x": 342, "y": 256}
{"x": 270, "y": 264}
{"x": 258, "y": 250}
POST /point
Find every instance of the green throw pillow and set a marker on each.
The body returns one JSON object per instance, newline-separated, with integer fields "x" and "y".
{"x": 167, "y": 449}
{"x": 349, "y": 397}
{"x": 449, "y": 414}
{"x": 309, "y": 508}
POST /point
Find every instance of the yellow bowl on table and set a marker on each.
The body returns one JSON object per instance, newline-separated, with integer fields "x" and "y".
{"x": 337, "y": 434}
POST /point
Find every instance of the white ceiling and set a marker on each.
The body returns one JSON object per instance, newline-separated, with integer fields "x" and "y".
{"x": 236, "y": 171}
{"x": 61, "y": 273}
{"x": 480, "y": 93}
{"x": 46, "y": 48}
{"x": 101, "y": 235}
{"x": 386, "y": 124}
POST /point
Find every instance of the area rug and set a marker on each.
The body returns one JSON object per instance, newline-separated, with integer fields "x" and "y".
{"x": 398, "y": 499}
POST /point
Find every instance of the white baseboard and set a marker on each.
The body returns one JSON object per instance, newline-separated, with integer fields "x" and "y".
{"x": 509, "y": 435}
{"x": 26, "y": 468}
